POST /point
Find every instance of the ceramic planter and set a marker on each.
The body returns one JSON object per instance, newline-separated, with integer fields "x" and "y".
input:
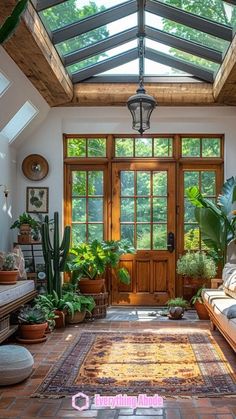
{"x": 60, "y": 320}
{"x": 201, "y": 311}
{"x": 33, "y": 331}
{"x": 191, "y": 285}
{"x": 176, "y": 313}
{"x": 91, "y": 286}
{"x": 79, "y": 317}
{"x": 8, "y": 277}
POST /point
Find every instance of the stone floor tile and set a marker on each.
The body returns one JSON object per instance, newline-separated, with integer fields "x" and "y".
{"x": 172, "y": 413}
{"x": 107, "y": 414}
{"x": 125, "y": 411}
{"x": 149, "y": 412}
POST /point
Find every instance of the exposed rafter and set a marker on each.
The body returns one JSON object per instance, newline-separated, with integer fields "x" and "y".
{"x": 105, "y": 65}
{"x": 189, "y": 19}
{"x": 230, "y": 1}
{"x": 45, "y": 4}
{"x": 182, "y": 65}
{"x": 184, "y": 45}
{"x": 94, "y": 22}
{"x": 100, "y": 47}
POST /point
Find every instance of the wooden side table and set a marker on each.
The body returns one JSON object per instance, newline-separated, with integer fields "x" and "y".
{"x": 216, "y": 282}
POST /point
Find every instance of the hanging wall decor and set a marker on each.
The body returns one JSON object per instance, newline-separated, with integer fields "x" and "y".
{"x": 35, "y": 167}
{"x": 37, "y": 199}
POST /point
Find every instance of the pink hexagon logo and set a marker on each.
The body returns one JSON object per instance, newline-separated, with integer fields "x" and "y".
{"x": 84, "y": 401}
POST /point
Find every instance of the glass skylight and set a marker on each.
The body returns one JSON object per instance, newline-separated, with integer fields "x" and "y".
{"x": 19, "y": 121}
{"x": 4, "y": 83}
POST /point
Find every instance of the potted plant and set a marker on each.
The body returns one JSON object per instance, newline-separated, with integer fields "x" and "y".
{"x": 59, "y": 305}
{"x": 25, "y": 223}
{"x": 81, "y": 305}
{"x": 197, "y": 268}
{"x": 32, "y": 323}
{"x": 176, "y": 308}
{"x": 88, "y": 263}
{"x": 8, "y": 271}
{"x": 199, "y": 305}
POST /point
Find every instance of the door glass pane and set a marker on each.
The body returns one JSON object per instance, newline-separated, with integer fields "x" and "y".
{"x": 127, "y": 183}
{"x": 159, "y": 209}
{"x": 95, "y": 232}
{"x": 163, "y": 147}
{"x": 127, "y": 232}
{"x": 76, "y": 147}
{"x": 211, "y": 147}
{"x": 124, "y": 147}
{"x": 96, "y": 147}
{"x": 143, "y": 183}
{"x": 78, "y": 233}
{"x": 160, "y": 183}
{"x": 143, "y": 147}
{"x": 95, "y": 183}
{"x": 143, "y": 236}
{"x": 127, "y": 209}
{"x": 143, "y": 210}
{"x": 191, "y": 237}
{"x": 208, "y": 183}
{"x": 95, "y": 209}
{"x": 191, "y": 147}
{"x": 160, "y": 236}
{"x": 78, "y": 183}
{"x": 79, "y": 209}
{"x": 189, "y": 212}
{"x": 191, "y": 179}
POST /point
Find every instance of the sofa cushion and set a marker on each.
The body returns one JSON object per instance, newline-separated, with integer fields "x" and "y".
{"x": 231, "y": 313}
{"x": 230, "y": 285}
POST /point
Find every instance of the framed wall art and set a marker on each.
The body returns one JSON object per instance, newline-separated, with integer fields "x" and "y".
{"x": 37, "y": 199}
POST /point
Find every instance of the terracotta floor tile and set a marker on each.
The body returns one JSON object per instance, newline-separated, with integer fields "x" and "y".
{"x": 5, "y": 402}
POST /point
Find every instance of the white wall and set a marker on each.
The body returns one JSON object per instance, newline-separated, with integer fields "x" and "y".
{"x": 47, "y": 139}
{"x": 8, "y": 178}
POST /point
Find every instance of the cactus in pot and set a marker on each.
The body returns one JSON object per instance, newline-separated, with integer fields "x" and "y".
{"x": 55, "y": 254}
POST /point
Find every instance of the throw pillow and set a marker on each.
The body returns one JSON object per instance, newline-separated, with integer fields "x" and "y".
{"x": 231, "y": 313}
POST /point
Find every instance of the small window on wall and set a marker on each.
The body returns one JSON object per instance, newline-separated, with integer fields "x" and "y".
{"x": 87, "y": 205}
{"x": 193, "y": 147}
{"x": 4, "y": 83}
{"x": 144, "y": 147}
{"x": 82, "y": 147}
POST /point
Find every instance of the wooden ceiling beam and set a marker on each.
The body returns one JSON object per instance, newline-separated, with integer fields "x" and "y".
{"x": 166, "y": 94}
{"x": 32, "y": 50}
{"x": 224, "y": 87}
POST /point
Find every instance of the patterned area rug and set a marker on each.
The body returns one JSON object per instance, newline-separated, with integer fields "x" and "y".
{"x": 166, "y": 363}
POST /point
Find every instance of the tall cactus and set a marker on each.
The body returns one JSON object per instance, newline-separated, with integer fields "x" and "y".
{"x": 55, "y": 255}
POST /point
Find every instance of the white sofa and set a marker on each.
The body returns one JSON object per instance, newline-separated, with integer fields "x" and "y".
{"x": 221, "y": 306}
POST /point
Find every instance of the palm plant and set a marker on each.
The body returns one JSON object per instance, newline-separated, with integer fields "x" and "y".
{"x": 216, "y": 220}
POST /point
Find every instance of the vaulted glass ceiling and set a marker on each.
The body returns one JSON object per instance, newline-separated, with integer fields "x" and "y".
{"x": 97, "y": 40}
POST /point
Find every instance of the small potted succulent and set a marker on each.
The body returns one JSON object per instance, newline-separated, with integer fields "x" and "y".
{"x": 8, "y": 270}
{"x": 199, "y": 305}
{"x": 33, "y": 322}
{"x": 26, "y": 224}
{"x": 176, "y": 308}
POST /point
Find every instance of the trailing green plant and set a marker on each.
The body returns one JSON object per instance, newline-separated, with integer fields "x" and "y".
{"x": 26, "y": 219}
{"x": 11, "y": 23}
{"x": 217, "y": 221}
{"x": 177, "y": 302}
{"x": 55, "y": 254}
{"x": 197, "y": 265}
{"x": 92, "y": 259}
{"x": 198, "y": 296}
{"x": 32, "y": 315}
{"x": 8, "y": 262}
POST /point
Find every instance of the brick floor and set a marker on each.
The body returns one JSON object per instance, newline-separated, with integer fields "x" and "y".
{"x": 15, "y": 401}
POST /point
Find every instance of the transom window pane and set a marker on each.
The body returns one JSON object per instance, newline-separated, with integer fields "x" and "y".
{"x": 86, "y": 147}
{"x": 143, "y": 215}
{"x": 87, "y": 206}
{"x": 201, "y": 147}
{"x": 144, "y": 147}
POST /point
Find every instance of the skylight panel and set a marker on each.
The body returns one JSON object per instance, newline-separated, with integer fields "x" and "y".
{"x": 19, "y": 121}
{"x": 4, "y": 83}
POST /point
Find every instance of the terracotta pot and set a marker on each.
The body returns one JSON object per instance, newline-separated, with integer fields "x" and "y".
{"x": 33, "y": 331}
{"x": 8, "y": 277}
{"x": 191, "y": 285}
{"x": 176, "y": 313}
{"x": 25, "y": 229}
{"x": 79, "y": 317}
{"x": 60, "y": 319}
{"x": 91, "y": 286}
{"x": 201, "y": 311}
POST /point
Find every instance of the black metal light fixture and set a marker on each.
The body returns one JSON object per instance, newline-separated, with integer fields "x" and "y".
{"x": 141, "y": 105}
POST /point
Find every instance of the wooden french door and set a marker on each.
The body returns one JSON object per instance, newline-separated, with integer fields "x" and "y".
{"x": 143, "y": 212}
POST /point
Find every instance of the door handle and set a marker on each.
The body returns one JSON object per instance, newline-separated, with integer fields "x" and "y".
{"x": 171, "y": 242}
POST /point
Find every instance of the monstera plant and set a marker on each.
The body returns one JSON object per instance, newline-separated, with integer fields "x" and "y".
{"x": 217, "y": 221}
